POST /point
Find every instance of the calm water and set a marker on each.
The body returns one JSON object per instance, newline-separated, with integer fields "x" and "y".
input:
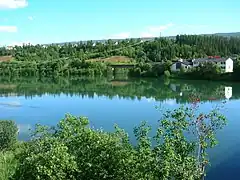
{"x": 125, "y": 102}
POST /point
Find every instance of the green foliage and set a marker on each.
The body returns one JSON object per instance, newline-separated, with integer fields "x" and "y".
{"x": 167, "y": 74}
{"x": 69, "y": 59}
{"x": 167, "y": 65}
{"x": 46, "y": 158}
{"x": 8, "y": 165}
{"x": 177, "y": 149}
{"x": 207, "y": 71}
{"x": 74, "y": 150}
{"x": 8, "y": 134}
{"x": 147, "y": 70}
{"x": 236, "y": 70}
{"x": 61, "y": 67}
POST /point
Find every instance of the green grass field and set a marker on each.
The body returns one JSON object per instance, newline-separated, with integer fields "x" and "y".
{"x": 114, "y": 60}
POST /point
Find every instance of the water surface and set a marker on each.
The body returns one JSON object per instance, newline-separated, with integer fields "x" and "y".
{"x": 126, "y": 103}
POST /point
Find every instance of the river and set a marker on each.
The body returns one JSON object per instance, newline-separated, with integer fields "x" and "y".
{"x": 126, "y": 102}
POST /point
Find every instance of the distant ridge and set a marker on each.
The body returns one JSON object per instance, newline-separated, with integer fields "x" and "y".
{"x": 232, "y": 34}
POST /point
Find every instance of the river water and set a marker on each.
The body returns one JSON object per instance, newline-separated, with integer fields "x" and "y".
{"x": 125, "y": 102}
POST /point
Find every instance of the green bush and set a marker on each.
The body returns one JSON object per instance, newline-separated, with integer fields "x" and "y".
{"x": 167, "y": 74}
{"x": 8, "y": 165}
{"x": 74, "y": 150}
{"x": 46, "y": 159}
{"x": 8, "y": 134}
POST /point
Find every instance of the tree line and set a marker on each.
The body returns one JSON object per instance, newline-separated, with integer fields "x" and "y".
{"x": 157, "y": 50}
{"x": 151, "y": 58}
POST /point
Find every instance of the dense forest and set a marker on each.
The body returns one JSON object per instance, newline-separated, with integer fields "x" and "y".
{"x": 184, "y": 46}
{"x": 73, "y": 59}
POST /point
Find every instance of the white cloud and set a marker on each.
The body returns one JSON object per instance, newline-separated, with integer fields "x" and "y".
{"x": 30, "y": 18}
{"x": 146, "y": 35}
{"x": 13, "y": 4}
{"x": 161, "y": 28}
{"x": 123, "y": 35}
{"x": 11, "y": 29}
{"x": 169, "y": 29}
{"x": 153, "y": 31}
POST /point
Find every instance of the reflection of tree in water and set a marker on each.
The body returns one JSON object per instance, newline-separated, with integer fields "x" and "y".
{"x": 132, "y": 88}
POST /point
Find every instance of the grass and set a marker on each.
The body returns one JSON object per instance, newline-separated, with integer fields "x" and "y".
{"x": 119, "y": 83}
{"x": 6, "y": 58}
{"x": 114, "y": 60}
{"x": 7, "y": 86}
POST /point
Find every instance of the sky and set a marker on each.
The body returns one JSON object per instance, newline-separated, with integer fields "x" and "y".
{"x": 52, "y": 21}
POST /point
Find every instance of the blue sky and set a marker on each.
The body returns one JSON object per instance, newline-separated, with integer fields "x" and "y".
{"x": 47, "y": 21}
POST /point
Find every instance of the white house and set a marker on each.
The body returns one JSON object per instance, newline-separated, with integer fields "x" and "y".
{"x": 181, "y": 64}
{"x": 226, "y": 64}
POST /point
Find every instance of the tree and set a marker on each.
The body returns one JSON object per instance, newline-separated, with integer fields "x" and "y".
{"x": 167, "y": 74}
{"x": 167, "y": 65}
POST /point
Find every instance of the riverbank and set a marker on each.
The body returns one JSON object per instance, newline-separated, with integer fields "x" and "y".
{"x": 208, "y": 72}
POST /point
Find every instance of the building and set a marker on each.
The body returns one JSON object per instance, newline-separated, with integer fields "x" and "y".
{"x": 9, "y": 47}
{"x": 181, "y": 64}
{"x": 226, "y": 64}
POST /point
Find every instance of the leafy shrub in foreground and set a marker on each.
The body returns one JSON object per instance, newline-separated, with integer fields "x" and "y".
{"x": 73, "y": 150}
{"x": 8, "y": 134}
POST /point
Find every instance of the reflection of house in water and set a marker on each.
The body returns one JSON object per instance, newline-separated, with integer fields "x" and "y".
{"x": 175, "y": 87}
{"x": 228, "y": 92}
{"x": 180, "y": 88}
{"x": 212, "y": 93}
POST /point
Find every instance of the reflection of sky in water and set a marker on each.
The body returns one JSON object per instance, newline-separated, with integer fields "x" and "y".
{"x": 126, "y": 112}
